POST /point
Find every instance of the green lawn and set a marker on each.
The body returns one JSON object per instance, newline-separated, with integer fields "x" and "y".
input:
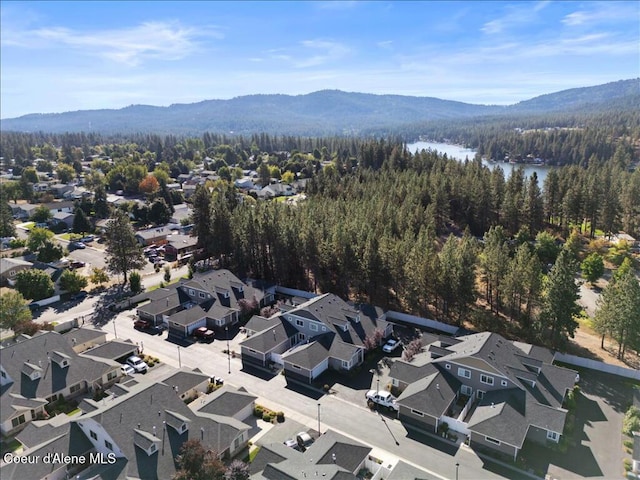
{"x": 28, "y": 225}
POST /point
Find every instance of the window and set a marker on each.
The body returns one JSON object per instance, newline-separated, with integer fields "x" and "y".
{"x": 201, "y": 294}
{"x": 466, "y": 390}
{"x": 108, "y": 444}
{"x": 463, "y": 372}
{"x": 417, "y": 413}
{"x": 493, "y": 440}
{"x": 324, "y": 329}
{"x": 183, "y": 427}
{"x": 346, "y": 364}
{"x": 93, "y": 434}
{"x": 152, "y": 448}
{"x": 504, "y": 383}
{"x": 64, "y": 363}
{"x": 252, "y": 350}
{"x": 296, "y": 367}
{"x": 18, "y": 421}
{"x": 112, "y": 375}
{"x": 553, "y": 436}
{"x": 313, "y": 327}
{"x": 486, "y": 379}
{"x": 300, "y": 323}
{"x": 191, "y": 292}
{"x": 74, "y": 388}
{"x": 447, "y": 366}
{"x": 480, "y": 394}
{"x": 3, "y": 374}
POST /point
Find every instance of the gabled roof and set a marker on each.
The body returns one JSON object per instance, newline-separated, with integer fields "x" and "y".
{"x": 112, "y": 350}
{"x": 506, "y": 414}
{"x": 273, "y": 335}
{"x": 225, "y": 401}
{"x": 309, "y": 355}
{"x": 432, "y": 394}
{"x": 148, "y": 406}
{"x": 151, "y": 233}
{"x": 6, "y": 264}
{"x": 335, "y": 448}
{"x": 82, "y": 335}
{"x": 36, "y": 351}
{"x": 185, "y": 379}
{"x": 188, "y": 316}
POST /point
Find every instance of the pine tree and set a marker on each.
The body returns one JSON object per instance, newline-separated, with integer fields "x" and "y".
{"x": 123, "y": 252}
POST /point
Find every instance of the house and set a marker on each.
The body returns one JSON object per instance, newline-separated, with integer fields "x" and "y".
{"x": 276, "y": 190}
{"x": 179, "y": 246}
{"x": 487, "y": 388}
{"x": 63, "y": 218}
{"x": 164, "y": 302}
{"x": 331, "y": 456}
{"x": 9, "y": 268}
{"x": 244, "y": 183}
{"x": 40, "y": 187}
{"x": 60, "y": 189}
{"x": 212, "y": 299}
{"x": 181, "y": 212}
{"x": 322, "y": 333}
{"x": 138, "y": 433}
{"x": 38, "y": 370}
{"x": 82, "y": 339}
{"x": 188, "y": 384}
{"x": 115, "y": 350}
{"x": 228, "y": 402}
{"x": 155, "y": 235}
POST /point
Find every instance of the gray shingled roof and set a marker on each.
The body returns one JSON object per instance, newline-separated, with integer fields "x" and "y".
{"x": 308, "y": 355}
{"x": 83, "y": 335}
{"x": 113, "y": 350}
{"x": 35, "y": 351}
{"x": 349, "y": 454}
{"x": 270, "y": 337}
{"x": 431, "y": 395}
{"x": 226, "y": 401}
{"x": 185, "y": 380}
{"x": 145, "y": 407}
{"x": 189, "y": 316}
{"x": 167, "y": 301}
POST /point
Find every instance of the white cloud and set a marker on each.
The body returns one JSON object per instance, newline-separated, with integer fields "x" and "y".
{"x": 599, "y": 13}
{"x": 130, "y": 46}
{"x": 329, "y": 52}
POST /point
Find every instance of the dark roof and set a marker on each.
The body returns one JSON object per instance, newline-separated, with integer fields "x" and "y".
{"x": 406, "y": 372}
{"x": 269, "y": 454}
{"x": 188, "y": 316}
{"x": 113, "y": 349}
{"x": 431, "y": 395}
{"x": 153, "y": 233}
{"x": 227, "y": 402}
{"x": 36, "y": 351}
{"x": 349, "y": 454}
{"x": 404, "y": 471}
{"x": 308, "y": 355}
{"x": 146, "y": 407}
{"x": 258, "y": 323}
{"x": 506, "y": 414}
{"x": 273, "y": 335}
{"x": 83, "y": 335}
{"x": 185, "y": 380}
{"x": 165, "y": 300}
{"x": 66, "y": 438}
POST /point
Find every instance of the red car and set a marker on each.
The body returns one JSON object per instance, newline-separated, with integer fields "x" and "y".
{"x": 204, "y": 333}
{"x": 141, "y": 324}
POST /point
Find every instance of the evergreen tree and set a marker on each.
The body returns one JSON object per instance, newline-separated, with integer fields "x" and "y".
{"x": 81, "y": 223}
{"x": 559, "y": 301}
{"x": 123, "y": 252}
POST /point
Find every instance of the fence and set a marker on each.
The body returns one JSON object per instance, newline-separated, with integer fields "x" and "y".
{"x": 423, "y": 322}
{"x": 597, "y": 365}
{"x": 68, "y": 325}
{"x": 292, "y": 292}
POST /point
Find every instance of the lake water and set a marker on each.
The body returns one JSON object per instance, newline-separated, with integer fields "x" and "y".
{"x": 461, "y": 153}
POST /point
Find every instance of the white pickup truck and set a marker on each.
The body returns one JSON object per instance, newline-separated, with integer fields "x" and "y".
{"x": 382, "y": 398}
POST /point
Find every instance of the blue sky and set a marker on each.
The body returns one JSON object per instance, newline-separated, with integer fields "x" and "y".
{"x": 62, "y": 56}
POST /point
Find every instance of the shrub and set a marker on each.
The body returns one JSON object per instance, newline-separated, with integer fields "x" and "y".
{"x": 631, "y": 422}
{"x": 280, "y": 417}
{"x": 266, "y": 416}
{"x": 257, "y": 411}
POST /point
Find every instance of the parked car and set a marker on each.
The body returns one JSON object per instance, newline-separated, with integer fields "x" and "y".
{"x": 382, "y": 398}
{"x": 88, "y": 239}
{"x": 391, "y": 345}
{"x": 81, "y": 295}
{"x": 139, "y": 365}
{"x": 74, "y": 265}
{"x": 141, "y": 324}
{"x": 204, "y": 333}
{"x": 77, "y": 246}
{"x": 127, "y": 370}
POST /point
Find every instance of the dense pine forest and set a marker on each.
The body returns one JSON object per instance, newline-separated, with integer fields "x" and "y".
{"x": 416, "y": 232}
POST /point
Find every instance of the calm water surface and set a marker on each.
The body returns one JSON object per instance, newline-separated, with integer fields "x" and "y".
{"x": 460, "y": 153}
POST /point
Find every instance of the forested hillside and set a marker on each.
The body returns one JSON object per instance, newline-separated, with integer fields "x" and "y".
{"x": 324, "y": 113}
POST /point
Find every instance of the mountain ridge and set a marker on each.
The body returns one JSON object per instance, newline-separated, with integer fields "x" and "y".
{"x": 323, "y": 112}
